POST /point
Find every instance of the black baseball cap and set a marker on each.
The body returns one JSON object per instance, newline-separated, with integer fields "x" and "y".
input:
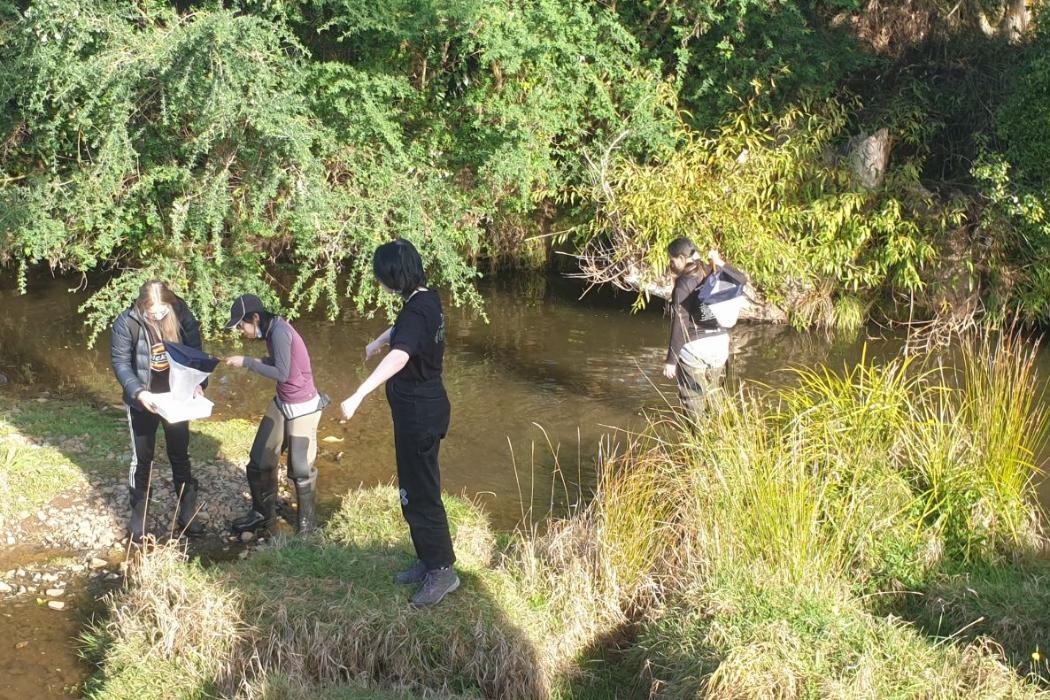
{"x": 244, "y": 305}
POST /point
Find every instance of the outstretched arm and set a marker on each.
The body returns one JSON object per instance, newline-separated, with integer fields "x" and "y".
{"x": 376, "y": 345}
{"x": 393, "y": 363}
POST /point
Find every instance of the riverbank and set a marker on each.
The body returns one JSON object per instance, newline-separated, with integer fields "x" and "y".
{"x": 870, "y": 533}
{"x": 63, "y": 512}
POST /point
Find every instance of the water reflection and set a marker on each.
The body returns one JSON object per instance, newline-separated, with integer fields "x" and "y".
{"x": 548, "y": 373}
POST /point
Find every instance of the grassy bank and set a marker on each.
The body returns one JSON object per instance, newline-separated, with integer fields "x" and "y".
{"x": 867, "y": 533}
{"x": 52, "y": 445}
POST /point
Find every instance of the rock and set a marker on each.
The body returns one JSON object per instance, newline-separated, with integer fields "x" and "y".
{"x": 50, "y": 578}
{"x": 55, "y": 592}
{"x": 247, "y": 536}
{"x": 112, "y": 576}
{"x": 56, "y": 605}
{"x": 3, "y": 379}
{"x": 21, "y": 645}
{"x": 331, "y": 438}
{"x": 6, "y": 587}
{"x": 869, "y": 157}
{"x": 97, "y": 563}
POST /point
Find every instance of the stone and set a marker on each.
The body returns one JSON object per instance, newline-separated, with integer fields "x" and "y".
{"x": 21, "y": 645}
{"x": 6, "y": 587}
{"x": 869, "y": 157}
{"x": 247, "y": 536}
{"x": 97, "y": 563}
{"x": 56, "y": 605}
{"x": 55, "y": 592}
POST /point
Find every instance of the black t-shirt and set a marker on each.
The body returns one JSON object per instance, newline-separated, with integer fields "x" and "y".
{"x": 159, "y": 366}
{"x": 690, "y": 318}
{"x": 420, "y": 331}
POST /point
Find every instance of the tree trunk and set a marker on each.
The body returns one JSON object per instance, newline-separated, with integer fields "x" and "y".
{"x": 1015, "y": 21}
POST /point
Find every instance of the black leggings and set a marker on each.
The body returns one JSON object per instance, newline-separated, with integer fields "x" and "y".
{"x": 420, "y": 423}
{"x": 144, "y": 442}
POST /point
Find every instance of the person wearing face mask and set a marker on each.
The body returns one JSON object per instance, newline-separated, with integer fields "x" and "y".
{"x": 420, "y": 410}
{"x": 140, "y": 363}
{"x": 290, "y": 421}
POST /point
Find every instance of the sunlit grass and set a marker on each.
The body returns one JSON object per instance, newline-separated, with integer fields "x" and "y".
{"x": 846, "y": 536}
{"x": 50, "y": 447}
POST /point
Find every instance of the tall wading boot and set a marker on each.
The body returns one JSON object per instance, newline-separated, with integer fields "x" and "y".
{"x": 137, "y": 521}
{"x": 263, "y": 487}
{"x": 186, "y": 518}
{"x": 306, "y": 514}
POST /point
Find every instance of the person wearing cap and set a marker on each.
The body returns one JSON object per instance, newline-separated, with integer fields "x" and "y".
{"x": 698, "y": 348}
{"x": 140, "y": 362}
{"x": 290, "y": 421}
{"x": 420, "y": 409}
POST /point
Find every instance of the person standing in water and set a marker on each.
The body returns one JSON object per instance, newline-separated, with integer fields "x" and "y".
{"x": 140, "y": 363}
{"x": 699, "y": 348}
{"x": 420, "y": 410}
{"x": 290, "y": 421}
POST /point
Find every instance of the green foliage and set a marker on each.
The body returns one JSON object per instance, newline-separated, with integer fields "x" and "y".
{"x": 183, "y": 147}
{"x": 775, "y": 194}
{"x": 225, "y": 146}
{"x": 725, "y": 55}
{"x": 205, "y": 148}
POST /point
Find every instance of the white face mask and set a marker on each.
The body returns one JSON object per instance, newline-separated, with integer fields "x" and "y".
{"x": 158, "y": 313}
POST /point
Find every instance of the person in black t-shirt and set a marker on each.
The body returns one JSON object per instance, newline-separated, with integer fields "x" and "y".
{"x": 420, "y": 410}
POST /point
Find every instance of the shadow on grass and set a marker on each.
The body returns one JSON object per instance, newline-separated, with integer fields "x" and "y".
{"x": 1008, "y": 604}
{"x": 63, "y": 452}
{"x": 324, "y": 613}
{"x": 608, "y": 669}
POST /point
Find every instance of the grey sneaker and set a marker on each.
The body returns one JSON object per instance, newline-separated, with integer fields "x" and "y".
{"x": 415, "y": 574}
{"x": 437, "y": 584}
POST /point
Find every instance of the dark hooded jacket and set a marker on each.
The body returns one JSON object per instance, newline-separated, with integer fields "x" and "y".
{"x": 131, "y": 364}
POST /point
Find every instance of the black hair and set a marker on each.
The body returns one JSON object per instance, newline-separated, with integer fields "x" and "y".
{"x": 398, "y": 266}
{"x": 681, "y": 246}
{"x": 265, "y": 318}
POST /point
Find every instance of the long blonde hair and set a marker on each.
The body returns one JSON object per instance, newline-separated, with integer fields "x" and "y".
{"x": 156, "y": 292}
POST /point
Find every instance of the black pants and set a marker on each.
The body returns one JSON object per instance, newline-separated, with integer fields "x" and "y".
{"x": 143, "y": 444}
{"x": 420, "y": 423}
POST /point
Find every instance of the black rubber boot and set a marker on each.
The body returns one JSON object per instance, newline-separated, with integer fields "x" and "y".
{"x": 306, "y": 514}
{"x": 263, "y": 486}
{"x": 186, "y": 519}
{"x": 137, "y": 521}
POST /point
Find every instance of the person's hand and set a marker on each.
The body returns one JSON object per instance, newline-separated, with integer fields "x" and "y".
{"x": 349, "y": 407}
{"x": 235, "y": 361}
{"x": 670, "y": 370}
{"x": 715, "y": 258}
{"x": 198, "y": 391}
{"x": 146, "y": 399}
{"x": 373, "y": 348}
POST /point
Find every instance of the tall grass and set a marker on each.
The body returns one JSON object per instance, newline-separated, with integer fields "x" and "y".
{"x": 771, "y": 549}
